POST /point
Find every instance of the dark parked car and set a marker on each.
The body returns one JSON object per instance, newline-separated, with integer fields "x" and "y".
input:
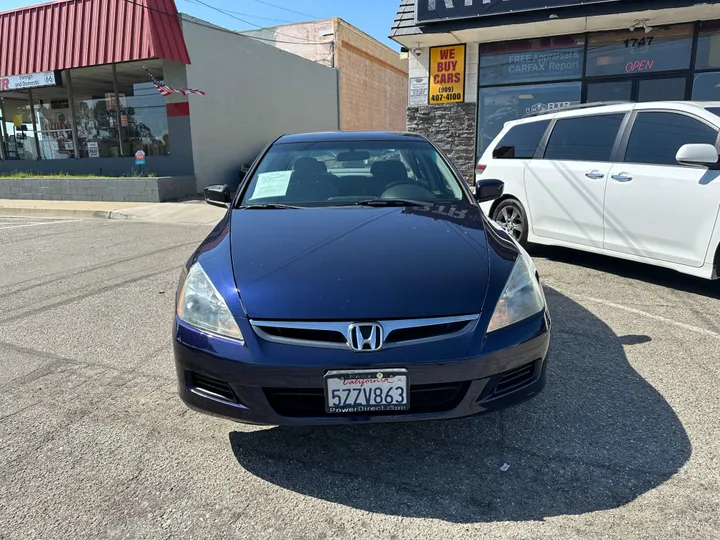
{"x": 375, "y": 293}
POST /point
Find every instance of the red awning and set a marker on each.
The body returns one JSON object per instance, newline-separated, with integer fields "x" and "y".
{"x": 79, "y": 33}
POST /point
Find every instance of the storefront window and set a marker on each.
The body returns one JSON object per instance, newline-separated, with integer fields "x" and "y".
{"x": 708, "y": 48}
{"x": 19, "y": 134}
{"x": 544, "y": 59}
{"x": 143, "y": 111}
{"x": 706, "y": 87}
{"x": 52, "y": 118}
{"x": 661, "y": 49}
{"x": 499, "y": 105}
{"x": 97, "y": 125}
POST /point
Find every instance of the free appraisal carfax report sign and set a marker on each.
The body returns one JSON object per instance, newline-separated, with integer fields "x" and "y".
{"x": 447, "y": 74}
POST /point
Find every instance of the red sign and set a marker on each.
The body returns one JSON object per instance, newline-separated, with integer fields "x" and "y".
{"x": 639, "y": 65}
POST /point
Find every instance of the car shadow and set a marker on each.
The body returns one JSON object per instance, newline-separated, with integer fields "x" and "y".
{"x": 629, "y": 269}
{"x": 598, "y": 437}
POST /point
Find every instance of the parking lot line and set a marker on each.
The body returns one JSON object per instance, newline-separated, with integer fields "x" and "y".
{"x": 690, "y": 327}
{"x": 36, "y": 224}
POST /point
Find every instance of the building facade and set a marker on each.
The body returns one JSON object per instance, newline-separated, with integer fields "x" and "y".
{"x": 77, "y": 96}
{"x": 373, "y": 77}
{"x": 476, "y": 64}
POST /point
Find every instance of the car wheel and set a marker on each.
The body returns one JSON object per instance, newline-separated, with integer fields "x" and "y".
{"x": 510, "y": 215}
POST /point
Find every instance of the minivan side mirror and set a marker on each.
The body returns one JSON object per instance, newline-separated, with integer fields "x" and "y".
{"x": 218, "y": 195}
{"x": 488, "y": 190}
{"x": 705, "y": 155}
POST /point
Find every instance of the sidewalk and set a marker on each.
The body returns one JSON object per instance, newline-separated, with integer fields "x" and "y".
{"x": 198, "y": 212}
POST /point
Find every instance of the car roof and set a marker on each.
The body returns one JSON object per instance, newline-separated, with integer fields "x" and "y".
{"x": 332, "y": 136}
{"x": 590, "y": 109}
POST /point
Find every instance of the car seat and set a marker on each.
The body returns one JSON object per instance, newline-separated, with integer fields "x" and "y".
{"x": 310, "y": 181}
{"x": 391, "y": 171}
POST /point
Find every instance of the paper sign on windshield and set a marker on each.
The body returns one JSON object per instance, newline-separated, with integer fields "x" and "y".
{"x": 271, "y": 184}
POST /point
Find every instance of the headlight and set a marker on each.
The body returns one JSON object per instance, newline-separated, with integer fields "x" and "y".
{"x": 200, "y": 305}
{"x": 521, "y": 298}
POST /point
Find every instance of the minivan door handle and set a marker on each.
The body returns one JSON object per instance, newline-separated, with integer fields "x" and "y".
{"x": 595, "y": 175}
{"x": 622, "y": 177}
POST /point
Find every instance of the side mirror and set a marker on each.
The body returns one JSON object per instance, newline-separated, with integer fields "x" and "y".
{"x": 488, "y": 190}
{"x": 218, "y": 195}
{"x": 704, "y": 155}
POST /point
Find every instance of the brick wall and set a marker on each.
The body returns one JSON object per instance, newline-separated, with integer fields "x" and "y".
{"x": 373, "y": 82}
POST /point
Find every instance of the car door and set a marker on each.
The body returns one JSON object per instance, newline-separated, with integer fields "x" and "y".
{"x": 655, "y": 207}
{"x": 566, "y": 188}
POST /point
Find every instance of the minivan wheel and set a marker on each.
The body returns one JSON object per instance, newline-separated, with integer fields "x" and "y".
{"x": 510, "y": 215}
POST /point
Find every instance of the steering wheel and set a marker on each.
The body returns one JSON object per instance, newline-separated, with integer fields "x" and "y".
{"x": 399, "y": 183}
{"x": 407, "y": 190}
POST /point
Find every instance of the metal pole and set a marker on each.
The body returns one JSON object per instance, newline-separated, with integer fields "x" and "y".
{"x": 71, "y": 104}
{"x": 3, "y": 131}
{"x": 117, "y": 109}
{"x": 34, "y": 123}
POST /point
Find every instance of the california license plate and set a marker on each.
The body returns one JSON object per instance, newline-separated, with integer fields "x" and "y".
{"x": 364, "y": 390}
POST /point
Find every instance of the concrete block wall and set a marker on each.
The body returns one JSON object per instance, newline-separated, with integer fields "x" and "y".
{"x": 99, "y": 189}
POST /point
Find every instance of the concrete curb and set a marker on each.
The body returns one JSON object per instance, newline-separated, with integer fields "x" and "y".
{"x": 177, "y": 213}
{"x": 65, "y": 212}
{"x": 59, "y": 212}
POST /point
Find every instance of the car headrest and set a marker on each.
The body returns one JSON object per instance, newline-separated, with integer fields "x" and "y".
{"x": 308, "y": 165}
{"x": 389, "y": 168}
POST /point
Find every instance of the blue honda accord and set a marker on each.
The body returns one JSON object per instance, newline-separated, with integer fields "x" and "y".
{"x": 354, "y": 278}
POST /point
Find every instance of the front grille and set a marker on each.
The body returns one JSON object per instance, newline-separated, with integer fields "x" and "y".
{"x": 337, "y": 334}
{"x": 424, "y": 332}
{"x": 310, "y": 402}
{"x": 510, "y": 381}
{"x": 213, "y": 387}
{"x": 304, "y": 334}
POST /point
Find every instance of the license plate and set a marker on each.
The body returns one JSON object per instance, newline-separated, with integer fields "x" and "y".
{"x": 365, "y": 390}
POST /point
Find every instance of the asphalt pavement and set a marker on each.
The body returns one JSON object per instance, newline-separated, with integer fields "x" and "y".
{"x": 95, "y": 443}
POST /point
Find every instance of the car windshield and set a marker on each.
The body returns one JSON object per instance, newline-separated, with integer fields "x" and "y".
{"x": 348, "y": 173}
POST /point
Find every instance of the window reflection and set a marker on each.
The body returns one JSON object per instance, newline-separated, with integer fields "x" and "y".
{"x": 499, "y": 105}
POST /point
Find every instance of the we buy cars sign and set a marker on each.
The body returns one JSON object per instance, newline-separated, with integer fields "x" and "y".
{"x": 440, "y": 10}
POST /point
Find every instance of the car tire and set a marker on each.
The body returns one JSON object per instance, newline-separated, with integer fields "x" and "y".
{"x": 511, "y": 217}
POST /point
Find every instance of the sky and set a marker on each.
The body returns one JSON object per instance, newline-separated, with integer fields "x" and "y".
{"x": 373, "y": 17}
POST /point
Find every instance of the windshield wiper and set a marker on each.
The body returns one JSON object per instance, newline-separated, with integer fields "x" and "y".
{"x": 391, "y": 202}
{"x": 268, "y": 206}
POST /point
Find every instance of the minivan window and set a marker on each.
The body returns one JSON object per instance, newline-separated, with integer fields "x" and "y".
{"x": 586, "y": 138}
{"x": 521, "y": 141}
{"x": 657, "y": 136}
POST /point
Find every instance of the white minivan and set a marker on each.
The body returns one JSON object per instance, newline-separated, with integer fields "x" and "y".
{"x": 640, "y": 181}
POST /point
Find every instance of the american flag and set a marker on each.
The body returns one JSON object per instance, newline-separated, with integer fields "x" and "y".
{"x": 166, "y": 90}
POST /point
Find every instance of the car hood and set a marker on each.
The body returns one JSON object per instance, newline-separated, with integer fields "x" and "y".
{"x": 360, "y": 263}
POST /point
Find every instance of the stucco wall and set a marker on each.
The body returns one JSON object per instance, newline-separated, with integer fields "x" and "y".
{"x": 373, "y": 77}
{"x": 254, "y": 93}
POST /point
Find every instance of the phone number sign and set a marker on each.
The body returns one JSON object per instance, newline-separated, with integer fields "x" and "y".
{"x": 447, "y": 74}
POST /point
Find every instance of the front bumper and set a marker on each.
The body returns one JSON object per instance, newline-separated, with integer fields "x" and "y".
{"x": 214, "y": 379}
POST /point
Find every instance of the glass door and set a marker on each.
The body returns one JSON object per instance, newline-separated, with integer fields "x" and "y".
{"x": 667, "y": 89}
{"x": 609, "y": 91}
{"x": 637, "y": 89}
